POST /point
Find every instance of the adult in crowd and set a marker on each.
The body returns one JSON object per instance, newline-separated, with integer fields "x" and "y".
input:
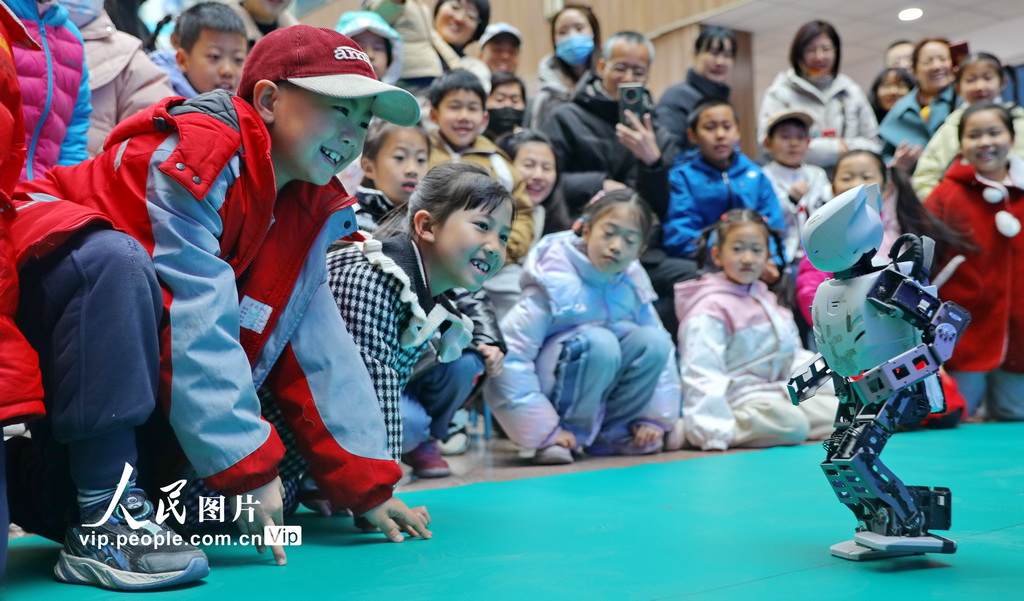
{"x": 576, "y": 38}
{"x": 714, "y": 53}
{"x": 914, "y": 118}
{"x": 499, "y": 47}
{"x": 506, "y": 105}
{"x": 434, "y": 39}
{"x": 899, "y": 55}
{"x": 598, "y": 152}
{"x": 122, "y": 79}
{"x": 262, "y": 16}
{"x": 843, "y": 119}
{"x": 889, "y": 86}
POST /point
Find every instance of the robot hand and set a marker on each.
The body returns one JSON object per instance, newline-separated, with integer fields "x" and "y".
{"x": 808, "y": 378}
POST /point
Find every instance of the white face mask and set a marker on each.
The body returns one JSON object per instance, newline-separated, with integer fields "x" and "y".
{"x": 83, "y": 12}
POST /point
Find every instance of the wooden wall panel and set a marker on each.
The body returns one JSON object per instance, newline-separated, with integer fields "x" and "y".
{"x": 673, "y": 25}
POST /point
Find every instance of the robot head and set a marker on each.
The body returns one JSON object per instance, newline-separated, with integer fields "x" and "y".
{"x": 844, "y": 229}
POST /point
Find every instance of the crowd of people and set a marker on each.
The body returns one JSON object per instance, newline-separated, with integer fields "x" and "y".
{"x": 267, "y": 265}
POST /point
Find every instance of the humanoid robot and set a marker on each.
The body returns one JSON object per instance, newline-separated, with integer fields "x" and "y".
{"x": 882, "y": 334}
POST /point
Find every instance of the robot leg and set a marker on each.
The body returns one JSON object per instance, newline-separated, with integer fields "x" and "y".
{"x": 893, "y": 519}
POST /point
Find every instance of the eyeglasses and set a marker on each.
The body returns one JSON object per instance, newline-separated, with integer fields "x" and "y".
{"x": 623, "y": 69}
{"x": 466, "y": 10}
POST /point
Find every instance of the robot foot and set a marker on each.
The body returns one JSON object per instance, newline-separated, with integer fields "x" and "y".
{"x": 870, "y": 545}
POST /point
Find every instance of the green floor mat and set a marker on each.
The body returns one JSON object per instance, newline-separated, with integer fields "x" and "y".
{"x": 742, "y": 526}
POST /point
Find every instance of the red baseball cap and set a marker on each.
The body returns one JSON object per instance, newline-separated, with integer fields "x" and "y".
{"x": 326, "y": 62}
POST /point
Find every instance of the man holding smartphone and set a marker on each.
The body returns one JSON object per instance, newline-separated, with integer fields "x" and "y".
{"x": 606, "y": 138}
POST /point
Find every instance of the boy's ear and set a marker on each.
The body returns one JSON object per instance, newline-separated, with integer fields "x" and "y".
{"x": 433, "y": 115}
{"x": 423, "y": 226}
{"x": 483, "y": 124}
{"x": 181, "y": 58}
{"x": 692, "y": 136}
{"x": 264, "y": 99}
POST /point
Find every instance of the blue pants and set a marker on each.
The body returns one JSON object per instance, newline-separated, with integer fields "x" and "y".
{"x": 998, "y": 393}
{"x": 430, "y": 401}
{"x": 91, "y": 310}
{"x": 604, "y": 381}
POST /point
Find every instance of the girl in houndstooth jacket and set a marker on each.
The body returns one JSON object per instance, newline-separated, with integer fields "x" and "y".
{"x": 390, "y": 289}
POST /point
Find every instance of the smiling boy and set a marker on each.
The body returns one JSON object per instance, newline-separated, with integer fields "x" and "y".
{"x": 458, "y": 106}
{"x": 199, "y": 183}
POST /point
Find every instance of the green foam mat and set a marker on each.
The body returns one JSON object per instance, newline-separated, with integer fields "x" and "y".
{"x": 740, "y": 526}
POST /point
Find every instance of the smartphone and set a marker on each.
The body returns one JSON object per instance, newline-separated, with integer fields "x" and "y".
{"x": 633, "y": 97}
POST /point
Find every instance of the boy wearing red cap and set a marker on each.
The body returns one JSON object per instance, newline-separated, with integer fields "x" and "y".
{"x": 235, "y": 200}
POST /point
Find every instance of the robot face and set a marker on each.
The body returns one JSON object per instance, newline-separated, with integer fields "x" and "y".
{"x": 845, "y": 229}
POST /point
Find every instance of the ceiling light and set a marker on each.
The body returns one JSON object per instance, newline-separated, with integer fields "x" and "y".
{"x": 911, "y": 14}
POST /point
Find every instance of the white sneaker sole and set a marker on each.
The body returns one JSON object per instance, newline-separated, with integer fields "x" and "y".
{"x": 82, "y": 570}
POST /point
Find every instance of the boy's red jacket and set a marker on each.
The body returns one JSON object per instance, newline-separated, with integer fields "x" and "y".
{"x": 21, "y": 391}
{"x": 246, "y": 303}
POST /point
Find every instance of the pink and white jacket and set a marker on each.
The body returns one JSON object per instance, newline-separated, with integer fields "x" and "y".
{"x": 54, "y": 88}
{"x": 734, "y": 341}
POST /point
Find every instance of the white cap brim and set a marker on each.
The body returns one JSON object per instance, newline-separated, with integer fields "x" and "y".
{"x": 391, "y": 104}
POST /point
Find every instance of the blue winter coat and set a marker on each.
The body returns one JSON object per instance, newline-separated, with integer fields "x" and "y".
{"x": 699, "y": 194}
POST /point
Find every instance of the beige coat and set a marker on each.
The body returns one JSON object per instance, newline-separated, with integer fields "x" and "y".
{"x": 483, "y": 152}
{"x": 252, "y": 32}
{"x": 122, "y": 79}
{"x": 423, "y": 48}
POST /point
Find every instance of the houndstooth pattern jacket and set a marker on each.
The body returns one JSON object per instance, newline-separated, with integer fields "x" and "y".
{"x": 382, "y": 295}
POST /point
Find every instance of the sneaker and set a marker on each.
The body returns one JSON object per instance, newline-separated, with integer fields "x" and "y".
{"x": 553, "y": 455}
{"x": 104, "y": 556}
{"x": 426, "y": 461}
{"x": 457, "y": 444}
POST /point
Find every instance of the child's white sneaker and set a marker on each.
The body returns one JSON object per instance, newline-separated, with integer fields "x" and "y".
{"x": 553, "y": 455}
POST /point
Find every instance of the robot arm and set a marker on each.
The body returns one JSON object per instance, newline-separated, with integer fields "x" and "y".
{"x": 942, "y": 325}
{"x": 808, "y": 378}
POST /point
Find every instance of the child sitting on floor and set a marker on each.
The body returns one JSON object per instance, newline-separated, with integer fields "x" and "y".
{"x": 590, "y": 366}
{"x": 738, "y": 347}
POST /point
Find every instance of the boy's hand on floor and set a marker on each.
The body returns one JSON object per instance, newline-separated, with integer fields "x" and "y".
{"x": 268, "y": 512}
{"x": 394, "y": 517}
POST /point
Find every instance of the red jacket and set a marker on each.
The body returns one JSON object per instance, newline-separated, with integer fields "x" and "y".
{"x": 246, "y": 303}
{"x": 21, "y": 391}
{"x": 990, "y": 283}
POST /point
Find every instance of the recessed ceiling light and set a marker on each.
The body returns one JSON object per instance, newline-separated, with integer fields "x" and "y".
{"x": 911, "y": 14}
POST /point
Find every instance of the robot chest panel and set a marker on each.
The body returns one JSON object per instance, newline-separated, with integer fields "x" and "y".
{"x": 852, "y": 334}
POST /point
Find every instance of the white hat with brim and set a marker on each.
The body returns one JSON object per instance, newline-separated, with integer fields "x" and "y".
{"x": 389, "y": 103}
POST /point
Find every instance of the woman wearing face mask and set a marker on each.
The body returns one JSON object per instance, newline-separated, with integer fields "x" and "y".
{"x": 576, "y": 37}
{"x": 843, "y": 117}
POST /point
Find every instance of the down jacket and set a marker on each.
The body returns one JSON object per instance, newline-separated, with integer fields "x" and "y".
{"x": 734, "y": 340}
{"x": 562, "y": 290}
{"x": 21, "y": 390}
{"x": 54, "y": 89}
{"x": 841, "y": 112}
{"x": 193, "y": 182}
{"x": 701, "y": 193}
